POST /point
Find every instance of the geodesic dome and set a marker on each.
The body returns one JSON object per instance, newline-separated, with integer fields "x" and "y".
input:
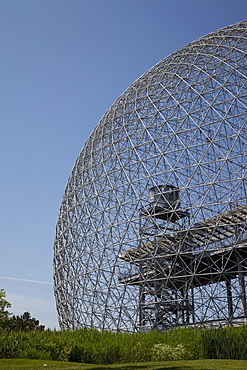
{"x": 151, "y": 231}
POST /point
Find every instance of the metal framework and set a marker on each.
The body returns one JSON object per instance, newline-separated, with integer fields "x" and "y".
{"x": 152, "y": 229}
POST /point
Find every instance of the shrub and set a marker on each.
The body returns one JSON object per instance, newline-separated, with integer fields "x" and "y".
{"x": 164, "y": 352}
{"x": 9, "y": 347}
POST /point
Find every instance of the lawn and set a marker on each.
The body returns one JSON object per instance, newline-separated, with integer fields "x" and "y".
{"x": 22, "y": 364}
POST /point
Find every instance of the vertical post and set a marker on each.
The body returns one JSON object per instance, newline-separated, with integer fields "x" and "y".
{"x": 157, "y": 285}
{"x": 156, "y": 313}
{"x": 141, "y": 303}
{"x": 186, "y": 317}
{"x": 229, "y": 298}
{"x": 242, "y": 292}
{"x": 176, "y": 307}
{"x": 193, "y": 304}
{"x": 185, "y": 291}
{"x": 141, "y": 289}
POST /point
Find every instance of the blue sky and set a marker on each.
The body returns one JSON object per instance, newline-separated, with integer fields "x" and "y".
{"x": 63, "y": 64}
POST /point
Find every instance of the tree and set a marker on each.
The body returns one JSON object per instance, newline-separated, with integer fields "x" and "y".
{"x": 24, "y": 323}
{"x": 4, "y": 313}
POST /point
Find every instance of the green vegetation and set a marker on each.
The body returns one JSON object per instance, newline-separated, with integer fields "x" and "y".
{"x": 21, "y": 337}
{"x": 104, "y": 347}
{"x": 24, "y": 323}
{"x": 169, "y": 365}
{"x": 228, "y": 343}
{"x": 16, "y": 323}
{"x": 4, "y": 313}
{"x": 99, "y": 347}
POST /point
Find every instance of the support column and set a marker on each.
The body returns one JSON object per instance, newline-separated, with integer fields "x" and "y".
{"x": 242, "y": 292}
{"x": 141, "y": 287}
{"x": 156, "y": 305}
{"x": 193, "y": 305}
{"x": 229, "y": 298}
{"x": 141, "y": 304}
{"x": 186, "y": 317}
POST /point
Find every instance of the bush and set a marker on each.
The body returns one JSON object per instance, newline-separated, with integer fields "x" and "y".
{"x": 164, "y": 352}
{"x": 9, "y": 347}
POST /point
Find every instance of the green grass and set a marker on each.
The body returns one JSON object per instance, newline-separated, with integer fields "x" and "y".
{"x": 22, "y": 364}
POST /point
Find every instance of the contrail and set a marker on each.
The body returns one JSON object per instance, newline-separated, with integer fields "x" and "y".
{"x": 27, "y": 280}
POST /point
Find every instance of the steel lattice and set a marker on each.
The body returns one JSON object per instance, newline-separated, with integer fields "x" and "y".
{"x": 125, "y": 261}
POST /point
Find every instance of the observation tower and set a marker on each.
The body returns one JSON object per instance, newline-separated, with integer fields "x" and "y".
{"x": 152, "y": 228}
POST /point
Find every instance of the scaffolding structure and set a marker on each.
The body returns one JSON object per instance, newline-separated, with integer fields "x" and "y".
{"x": 170, "y": 267}
{"x": 152, "y": 227}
